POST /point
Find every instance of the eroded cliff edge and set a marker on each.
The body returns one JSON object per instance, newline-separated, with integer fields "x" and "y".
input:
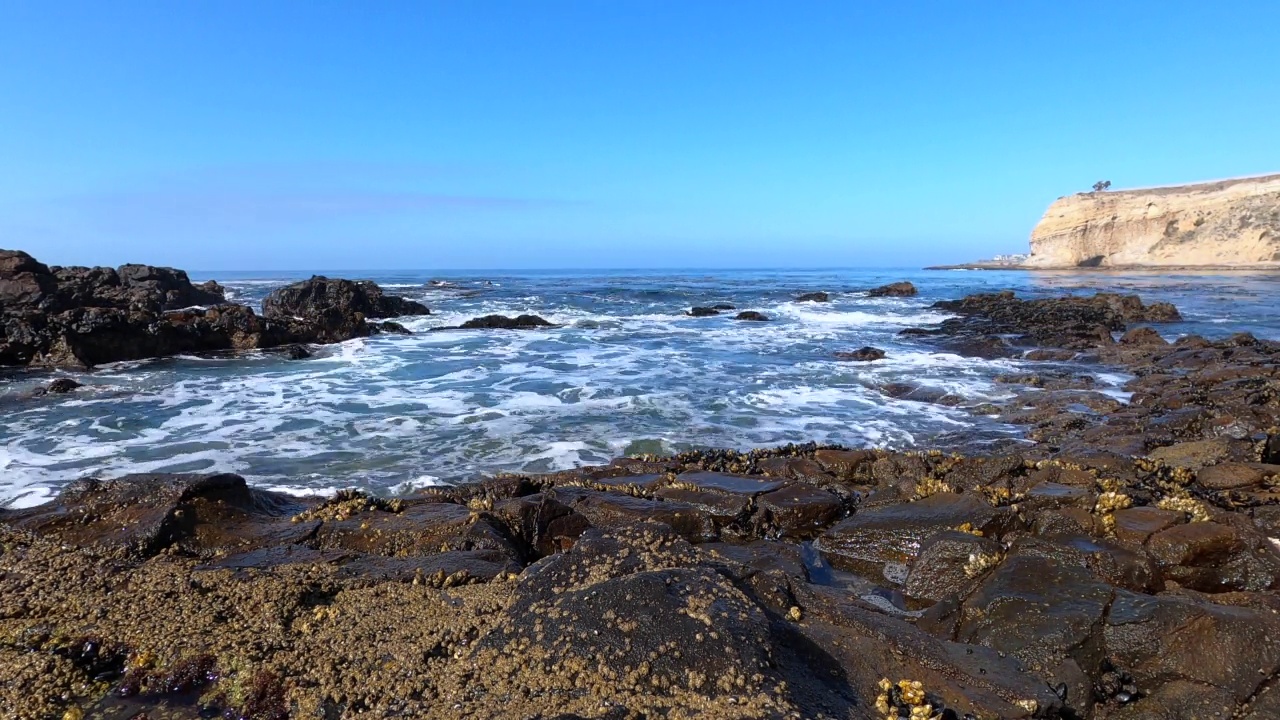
{"x": 1225, "y": 223}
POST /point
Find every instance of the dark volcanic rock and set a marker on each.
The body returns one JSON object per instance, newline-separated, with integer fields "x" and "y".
{"x": 80, "y": 317}
{"x": 897, "y": 289}
{"x": 703, "y": 312}
{"x": 337, "y": 308}
{"x": 814, "y": 297}
{"x": 751, "y": 315}
{"x": 723, "y": 306}
{"x": 865, "y": 354}
{"x": 502, "y": 322}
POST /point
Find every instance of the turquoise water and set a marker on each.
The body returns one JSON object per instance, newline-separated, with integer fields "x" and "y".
{"x": 625, "y": 373}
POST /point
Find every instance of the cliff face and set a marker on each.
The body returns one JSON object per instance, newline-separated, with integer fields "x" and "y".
{"x": 1232, "y": 222}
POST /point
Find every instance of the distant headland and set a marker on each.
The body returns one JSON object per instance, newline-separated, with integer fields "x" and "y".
{"x": 1226, "y": 224}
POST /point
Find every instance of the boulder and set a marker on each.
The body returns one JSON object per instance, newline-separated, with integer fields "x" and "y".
{"x": 703, "y": 312}
{"x": 951, "y": 563}
{"x": 751, "y": 315}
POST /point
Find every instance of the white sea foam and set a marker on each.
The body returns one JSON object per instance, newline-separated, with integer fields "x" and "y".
{"x": 436, "y": 407}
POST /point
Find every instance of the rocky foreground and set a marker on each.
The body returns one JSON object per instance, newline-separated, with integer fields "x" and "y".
{"x": 1120, "y": 565}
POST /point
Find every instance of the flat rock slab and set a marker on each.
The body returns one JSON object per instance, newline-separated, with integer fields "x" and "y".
{"x": 1196, "y": 543}
{"x": 645, "y": 483}
{"x": 614, "y": 509}
{"x": 895, "y": 533}
{"x": 725, "y": 483}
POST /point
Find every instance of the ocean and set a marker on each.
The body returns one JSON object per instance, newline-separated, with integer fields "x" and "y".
{"x": 625, "y": 373}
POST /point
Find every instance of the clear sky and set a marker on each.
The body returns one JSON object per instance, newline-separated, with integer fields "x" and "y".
{"x": 609, "y": 133}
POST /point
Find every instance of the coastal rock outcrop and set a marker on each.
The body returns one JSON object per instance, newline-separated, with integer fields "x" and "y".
{"x": 1226, "y": 223}
{"x": 338, "y": 309}
{"x": 1074, "y": 322}
{"x": 81, "y": 317}
{"x": 322, "y": 297}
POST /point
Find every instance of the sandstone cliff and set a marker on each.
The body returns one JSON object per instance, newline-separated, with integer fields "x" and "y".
{"x": 1226, "y": 223}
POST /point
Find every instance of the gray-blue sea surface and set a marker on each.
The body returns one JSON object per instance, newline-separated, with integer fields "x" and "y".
{"x": 626, "y": 372}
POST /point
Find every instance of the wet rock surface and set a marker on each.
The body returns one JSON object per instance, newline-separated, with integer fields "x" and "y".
{"x": 1123, "y": 563}
{"x": 81, "y": 317}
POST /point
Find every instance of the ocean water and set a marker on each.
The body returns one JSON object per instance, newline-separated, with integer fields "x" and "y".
{"x": 626, "y": 372}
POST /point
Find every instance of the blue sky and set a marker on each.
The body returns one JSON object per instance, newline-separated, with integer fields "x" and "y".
{"x": 615, "y": 133}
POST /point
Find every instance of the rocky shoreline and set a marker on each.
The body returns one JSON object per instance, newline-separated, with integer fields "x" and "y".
{"x": 1121, "y": 563}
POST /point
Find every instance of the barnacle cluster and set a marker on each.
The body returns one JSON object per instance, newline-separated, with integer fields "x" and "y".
{"x": 1108, "y": 503}
{"x": 905, "y": 699}
{"x": 1000, "y": 496}
{"x": 969, "y": 528}
{"x": 929, "y": 485}
{"x": 1186, "y": 504}
{"x": 980, "y": 562}
{"x": 347, "y": 503}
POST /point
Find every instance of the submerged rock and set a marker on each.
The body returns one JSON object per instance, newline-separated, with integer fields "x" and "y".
{"x": 751, "y": 315}
{"x": 864, "y": 354}
{"x": 62, "y": 386}
{"x": 813, "y": 297}
{"x": 704, "y": 311}
{"x": 502, "y": 322}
